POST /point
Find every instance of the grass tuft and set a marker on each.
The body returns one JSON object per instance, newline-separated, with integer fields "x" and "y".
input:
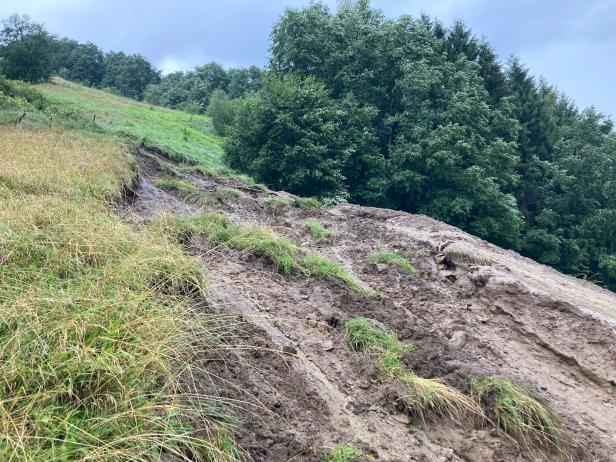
{"x": 347, "y": 453}
{"x": 308, "y": 202}
{"x": 184, "y": 189}
{"x": 424, "y": 397}
{"x": 275, "y": 204}
{"x": 318, "y": 231}
{"x": 459, "y": 253}
{"x": 285, "y": 255}
{"x": 229, "y": 193}
{"x": 517, "y": 411}
{"x": 394, "y": 258}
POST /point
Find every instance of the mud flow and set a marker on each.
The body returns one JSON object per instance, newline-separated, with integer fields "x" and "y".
{"x": 301, "y": 391}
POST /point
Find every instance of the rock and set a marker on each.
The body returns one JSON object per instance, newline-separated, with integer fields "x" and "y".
{"x": 327, "y": 345}
{"x": 458, "y": 339}
{"x": 402, "y": 418}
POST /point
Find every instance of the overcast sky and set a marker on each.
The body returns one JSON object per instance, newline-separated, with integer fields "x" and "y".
{"x": 572, "y": 43}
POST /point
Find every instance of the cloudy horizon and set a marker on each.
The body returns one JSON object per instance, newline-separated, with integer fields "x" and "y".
{"x": 568, "y": 43}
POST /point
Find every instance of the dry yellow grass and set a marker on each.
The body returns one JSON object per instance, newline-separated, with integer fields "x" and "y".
{"x": 96, "y": 321}
{"x": 67, "y": 163}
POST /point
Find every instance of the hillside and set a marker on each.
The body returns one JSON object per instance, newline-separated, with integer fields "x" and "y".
{"x": 154, "y": 307}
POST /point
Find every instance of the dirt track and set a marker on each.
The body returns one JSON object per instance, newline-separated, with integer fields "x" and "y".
{"x": 511, "y": 318}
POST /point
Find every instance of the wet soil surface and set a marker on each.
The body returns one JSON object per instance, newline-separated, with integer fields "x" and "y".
{"x": 302, "y": 391}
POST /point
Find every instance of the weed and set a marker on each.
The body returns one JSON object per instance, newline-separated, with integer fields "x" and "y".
{"x": 229, "y": 193}
{"x": 318, "y": 231}
{"x": 424, "y": 397}
{"x": 458, "y": 253}
{"x": 517, "y": 411}
{"x": 394, "y": 258}
{"x": 308, "y": 202}
{"x": 274, "y": 204}
{"x": 347, "y": 453}
{"x": 183, "y": 188}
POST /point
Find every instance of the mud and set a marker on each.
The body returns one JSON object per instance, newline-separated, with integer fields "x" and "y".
{"x": 302, "y": 390}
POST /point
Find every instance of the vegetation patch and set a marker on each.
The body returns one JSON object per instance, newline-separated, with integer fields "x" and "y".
{"x": 275, "y": 204}
{"x": 286, "y": 256}
{"x": 308, "y": 202}
{"x": 517, "y": 411}
{"x": 229, "y": 193}
{"x": 459, "y": 253}
{"x": 346, "y": 452}
{"x": 96, "y": 321}
{"x": 423, "y": 397}
{"x": 318, "y": 231}
{"x": 394, "y": 258}
{"x": 185, "y": 189}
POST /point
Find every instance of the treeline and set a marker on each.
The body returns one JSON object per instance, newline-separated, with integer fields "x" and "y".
{"x": 30, "y": 53}
{"x": 412, "y": 115}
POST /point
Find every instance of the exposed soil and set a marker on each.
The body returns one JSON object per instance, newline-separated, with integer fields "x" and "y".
{"x": 304, "y": 392}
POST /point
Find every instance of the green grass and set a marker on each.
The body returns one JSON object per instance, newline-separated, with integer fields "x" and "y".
{"x": 347, "y": 453}
{"x": 286, "y": 256}
{"x": 229, "y": 193}
{"x": 185, "y": 137}
{"x": 517, "y": 411}
{"x": 185, "y": 189}
{"x": 97, "y": 326}
{"x": 423, "y": 397}
{"x": 308, "y": 202}
{"x": 275, "y": 204}
{"x": 394, "y": 258}
{"x": 318, "y": 231}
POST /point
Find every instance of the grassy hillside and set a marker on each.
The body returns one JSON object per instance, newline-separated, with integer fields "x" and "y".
{"x": 96, "y": 319}
{"x": 184, "y": 136}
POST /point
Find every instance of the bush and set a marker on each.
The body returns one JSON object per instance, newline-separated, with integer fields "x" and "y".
{"x": 221, "y": 109}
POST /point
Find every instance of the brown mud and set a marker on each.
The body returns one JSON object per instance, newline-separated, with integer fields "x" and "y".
{"x": 304, "y": 392}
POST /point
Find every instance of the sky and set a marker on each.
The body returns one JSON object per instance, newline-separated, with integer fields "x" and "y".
{"x": 571, "y": 43}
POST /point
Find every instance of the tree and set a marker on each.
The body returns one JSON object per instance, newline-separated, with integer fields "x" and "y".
{"x": 26, "y": 50}
{"x": 244, "y": 80}
{"x": 290, "y": 135}
{"x": 129, "y": 74}
{"x": 221, "y": 109}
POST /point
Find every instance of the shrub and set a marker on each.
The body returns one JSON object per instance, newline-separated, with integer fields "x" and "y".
{"x": 308, "y": 202}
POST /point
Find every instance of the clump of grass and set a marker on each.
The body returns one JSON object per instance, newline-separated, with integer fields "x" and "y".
{"x": 185, "y": 189}
{"x": 362, "y": 336}
{"x": 275, "y": 204}
{"x": 308, "y": 202}
{"x": 346, "y": 452}
{"x": 318, "y": 231}
{"x": 394, "y": 258}
{"x": 165, "y": 166}
{"x": 319, "y": 266}
{"x": 458, "y": 253}
{"x": 285, "y": 255}
{"x": 229, "y": 193}
{"x": 424, "y": 397}
{"x": 517, "y": 411}
{"x": 214, "y": 172}
{"x": 97, "y": 329}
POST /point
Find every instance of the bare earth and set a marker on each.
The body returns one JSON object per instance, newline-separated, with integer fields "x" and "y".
{"x": 301, "y": 391}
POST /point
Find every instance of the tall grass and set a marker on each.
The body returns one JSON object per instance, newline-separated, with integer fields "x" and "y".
{"x": 421, "y": 396}
{"x": 97, "y": 330}
{"x": 286, "y": 256}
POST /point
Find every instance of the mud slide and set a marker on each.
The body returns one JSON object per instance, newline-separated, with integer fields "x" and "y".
{"x": 304, "y": 392}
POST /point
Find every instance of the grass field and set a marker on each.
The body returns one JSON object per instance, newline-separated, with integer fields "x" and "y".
{"x": 184, "y": 136}
{"x": 97, "y": 326}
